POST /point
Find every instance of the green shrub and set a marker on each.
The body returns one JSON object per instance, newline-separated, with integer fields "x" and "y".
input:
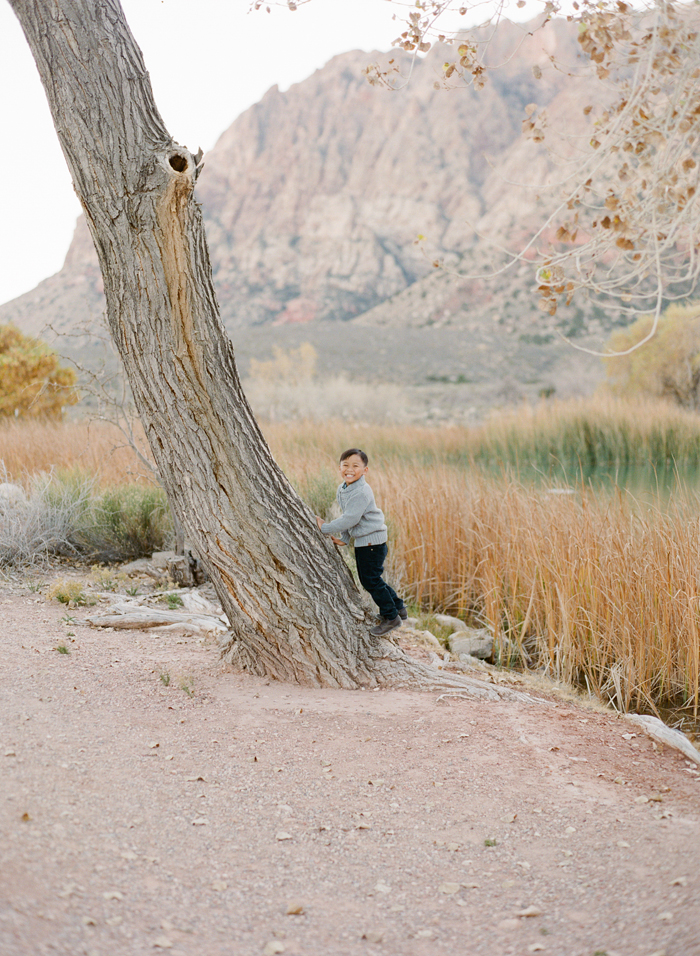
{"x": 125, "y": 523}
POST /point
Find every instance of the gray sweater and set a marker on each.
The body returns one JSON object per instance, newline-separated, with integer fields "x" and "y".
{"x": 361, "y": 518}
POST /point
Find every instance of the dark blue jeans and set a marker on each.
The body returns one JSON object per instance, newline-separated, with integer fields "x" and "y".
{"x": 370, "y": 567}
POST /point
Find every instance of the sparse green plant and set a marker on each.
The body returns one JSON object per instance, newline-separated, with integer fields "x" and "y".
{"x": 165, "y": 584}
{"x": 107, "y": 580}
{"x": 33, "y": 588}
{"x": 132, "y": 590}
{"x": 62, "y": 649}
{"x": 173, "y": 601}
{"x": 187, "y": 685}
{"x": 489, "y": 841}
{"x": 165, "y": 678}
{"x": 68, "y": 619}
{"x": 70, "y": 592}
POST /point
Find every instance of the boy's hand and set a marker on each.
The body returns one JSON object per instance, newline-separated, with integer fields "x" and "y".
{"x": 319, "y": 522}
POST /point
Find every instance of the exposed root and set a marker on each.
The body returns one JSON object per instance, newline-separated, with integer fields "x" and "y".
{"x": 394, "y": 668}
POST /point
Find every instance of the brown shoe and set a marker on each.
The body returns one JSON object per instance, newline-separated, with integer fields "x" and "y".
{"x": 387, "y": 624}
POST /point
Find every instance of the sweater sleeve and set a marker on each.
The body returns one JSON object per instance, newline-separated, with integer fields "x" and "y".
{"x": 340, "y": 526}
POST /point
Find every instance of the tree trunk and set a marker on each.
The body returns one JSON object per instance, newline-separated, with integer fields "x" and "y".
{"x": 294, "y": 610}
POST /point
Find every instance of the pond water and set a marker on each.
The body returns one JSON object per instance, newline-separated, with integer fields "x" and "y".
{"x": 646, "y": 483}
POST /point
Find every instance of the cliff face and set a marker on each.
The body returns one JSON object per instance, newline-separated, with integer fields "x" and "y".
{"x": 313, "y": 198}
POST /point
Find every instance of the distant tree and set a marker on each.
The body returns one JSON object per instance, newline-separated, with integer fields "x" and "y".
{"x": 32, "y": 383}
{"x": 668, "y": 366}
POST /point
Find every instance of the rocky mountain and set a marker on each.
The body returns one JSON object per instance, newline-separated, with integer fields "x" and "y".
{"x": 314, "y": 198}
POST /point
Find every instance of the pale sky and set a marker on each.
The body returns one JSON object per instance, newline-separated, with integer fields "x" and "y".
{"x": 209, "y": 60}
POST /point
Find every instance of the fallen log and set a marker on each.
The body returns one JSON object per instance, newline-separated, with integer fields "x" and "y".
{"x": 658, "y": 731}
{"x": 137, "y": 617}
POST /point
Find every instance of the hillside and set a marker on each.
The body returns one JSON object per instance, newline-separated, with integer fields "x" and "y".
{"x": 313, "y": 200}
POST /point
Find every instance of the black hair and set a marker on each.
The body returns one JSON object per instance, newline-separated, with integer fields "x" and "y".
{"x": 355, "y": 451}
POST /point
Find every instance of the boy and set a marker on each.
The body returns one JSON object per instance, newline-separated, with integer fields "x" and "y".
{"x": 363, "y": 521}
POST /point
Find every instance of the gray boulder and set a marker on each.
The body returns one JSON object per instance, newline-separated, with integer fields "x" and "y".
{"x": 472, "y": 642}
{"x": 12, "y": 497}
{"x": 454, "y": 623}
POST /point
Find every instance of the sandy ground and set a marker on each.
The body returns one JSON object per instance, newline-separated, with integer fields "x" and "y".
{"x": 221, "y": 814}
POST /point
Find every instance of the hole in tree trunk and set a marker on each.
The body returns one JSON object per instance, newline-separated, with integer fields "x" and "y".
{"x": 178, "y": 162}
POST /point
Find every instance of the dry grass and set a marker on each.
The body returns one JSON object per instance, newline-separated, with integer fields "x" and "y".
{"x": 32, "y": 447}
{"x": 603, "y": 592}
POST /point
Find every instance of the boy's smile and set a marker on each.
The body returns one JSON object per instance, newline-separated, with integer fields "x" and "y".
{"x": 352, "y": 469}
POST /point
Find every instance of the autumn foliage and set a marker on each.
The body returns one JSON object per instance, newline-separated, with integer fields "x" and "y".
{"x": 32, "y": 383}
{"x": 667, "y": 366}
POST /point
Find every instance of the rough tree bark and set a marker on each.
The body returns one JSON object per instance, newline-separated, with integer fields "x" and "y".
{"x": 294, "y": 610}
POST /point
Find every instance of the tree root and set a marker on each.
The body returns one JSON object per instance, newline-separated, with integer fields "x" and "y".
{"x": 392, "y": 667}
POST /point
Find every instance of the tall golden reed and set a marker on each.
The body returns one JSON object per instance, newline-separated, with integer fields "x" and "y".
{"x": 602, "y": 591}
{"x": 603, "y": 594}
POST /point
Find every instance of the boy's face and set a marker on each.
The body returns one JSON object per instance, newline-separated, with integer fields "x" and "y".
{"x": 352, "y": 469}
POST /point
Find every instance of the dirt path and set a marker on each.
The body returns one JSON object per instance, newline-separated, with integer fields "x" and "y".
{"x": 136, "y": 818}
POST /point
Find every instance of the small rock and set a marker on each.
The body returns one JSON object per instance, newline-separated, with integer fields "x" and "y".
{"x": 295, "y": 909}
{"x": 219, "y": 886}
{"x": 666, "y": 916}
{"x": 88, "y": 921}
{"x": 282, "y": 835}
{"x": 113, "y": 895}
{"x": 382, "y": 887}
{"x": 162, "y": 942}
{"x": 530, "y": 911}
{"x": 273, "y": 948}
{"x": 373, "y": 936}
{"x": 449, "y": 888}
